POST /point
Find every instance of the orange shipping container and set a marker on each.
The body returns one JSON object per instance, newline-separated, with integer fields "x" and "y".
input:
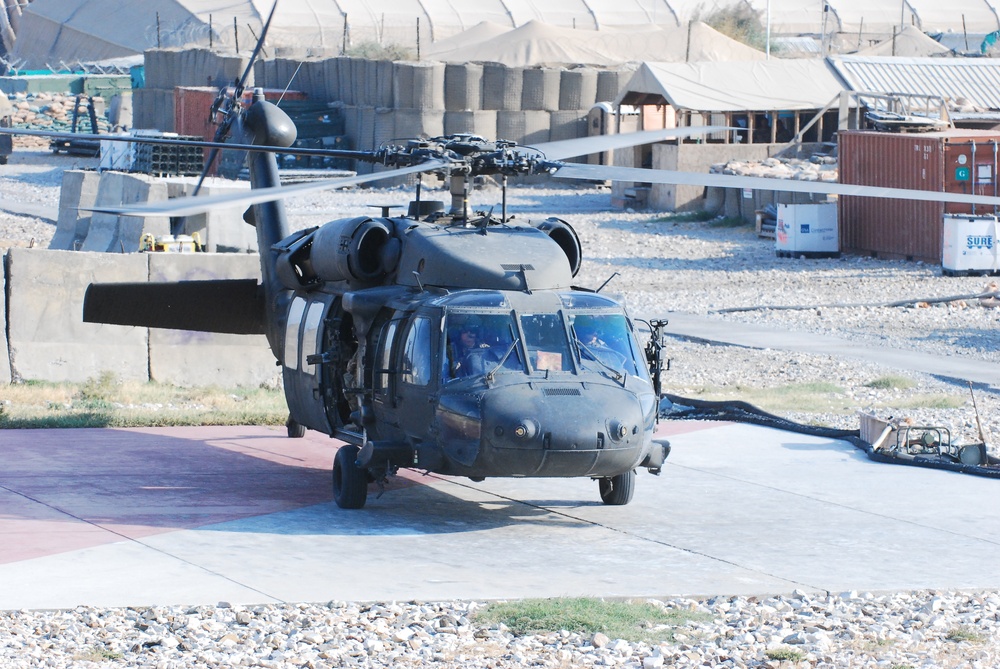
{"x": 953, "y": 161}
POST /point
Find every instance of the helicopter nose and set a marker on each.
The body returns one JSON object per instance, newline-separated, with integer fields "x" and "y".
{"x": 563, "y": 431}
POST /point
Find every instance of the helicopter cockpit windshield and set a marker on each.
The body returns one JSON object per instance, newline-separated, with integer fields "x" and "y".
{"x": 590, "y": 334}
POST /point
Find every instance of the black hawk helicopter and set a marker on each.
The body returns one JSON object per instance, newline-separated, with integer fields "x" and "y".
{"x": 444, "y": 341}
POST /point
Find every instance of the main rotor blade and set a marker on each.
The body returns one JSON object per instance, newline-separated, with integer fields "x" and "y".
{"x": 582, "y": 146}
{"x": 185, "y": 206}
{"x": 241, "y": 84}
{"x": 643, "y": 175}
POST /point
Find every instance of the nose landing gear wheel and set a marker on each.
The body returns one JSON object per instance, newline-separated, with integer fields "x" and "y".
{"x": 618, "y": 490}
{"x": 350, "y": 482}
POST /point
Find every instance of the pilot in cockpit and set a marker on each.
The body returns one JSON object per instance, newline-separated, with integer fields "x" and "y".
{"x": 467, "y": 352}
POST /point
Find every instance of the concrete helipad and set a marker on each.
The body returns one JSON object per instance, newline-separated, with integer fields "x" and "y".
{"x": 200, "y": 515}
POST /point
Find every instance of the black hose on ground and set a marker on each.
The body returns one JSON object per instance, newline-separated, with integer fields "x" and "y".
{"x": 674, "y": 407}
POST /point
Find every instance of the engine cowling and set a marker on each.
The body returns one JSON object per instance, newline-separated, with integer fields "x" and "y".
{"x": 361, "y": 250}
{"x": 563, "y": 234}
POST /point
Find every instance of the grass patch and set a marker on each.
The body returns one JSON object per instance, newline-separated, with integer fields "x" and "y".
{"x": 890, "y": 383}
{"x": 632, "y": 621}
{"x": 784, "y": 653}
{"x": 107, "y": 401}
{"x": 813, "y": 397}
{"x": 932, "y": 402}
{"x": 98, "y": 655}
{"x": 965, "y": 634}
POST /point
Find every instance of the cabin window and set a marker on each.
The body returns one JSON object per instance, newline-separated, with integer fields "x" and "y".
{"x": 310, "y": 335}
{"x": 415, "y": 367}
{"x": 385, "y": 355}
{"x": 295, "y": 311}
{"x": 545, "y": 342}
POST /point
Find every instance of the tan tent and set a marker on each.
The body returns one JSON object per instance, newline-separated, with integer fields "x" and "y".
{"x": 537, "y": 43}
{"x": 910, "y": 42}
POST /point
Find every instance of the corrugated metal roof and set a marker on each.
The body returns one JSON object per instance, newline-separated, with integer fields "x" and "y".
{"x": 975, "y": 79}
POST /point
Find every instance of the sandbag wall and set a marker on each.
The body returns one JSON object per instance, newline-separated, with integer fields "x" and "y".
{"x": 384, "y": 101}
{"x": 45, "y": 338}
{"x": 165, "y": 69}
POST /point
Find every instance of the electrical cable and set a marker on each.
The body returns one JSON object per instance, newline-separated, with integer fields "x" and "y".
{"x": 674, "y": 407}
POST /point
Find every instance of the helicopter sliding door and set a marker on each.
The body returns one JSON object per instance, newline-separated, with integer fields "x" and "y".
{"x": 302, "y": 376}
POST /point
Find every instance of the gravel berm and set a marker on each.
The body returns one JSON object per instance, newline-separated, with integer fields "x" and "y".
{"x": 663, "y": 266}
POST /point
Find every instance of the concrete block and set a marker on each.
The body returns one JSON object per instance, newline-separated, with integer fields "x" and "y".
{"x": 221, "y": 230}
{"x": 185, "y": 358}
{"x": 4, "y": 350}
{"x": 79, "y": 189}
{"x": 122, "y": 234}
{"x": 48, "y": 340}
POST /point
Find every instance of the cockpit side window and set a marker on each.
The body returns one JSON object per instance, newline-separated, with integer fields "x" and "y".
{"x": 545, "y": 342}
{"x": 416, "y": 361}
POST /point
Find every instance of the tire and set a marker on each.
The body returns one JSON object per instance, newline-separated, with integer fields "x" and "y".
{"x": 618, "y": 490}
{"x": 295, "y": 431}
{"x": 350, "y": 482}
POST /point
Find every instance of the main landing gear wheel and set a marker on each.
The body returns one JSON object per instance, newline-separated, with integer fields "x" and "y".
{"x": 350, "y": 482}
{"x": 618, "y": 490}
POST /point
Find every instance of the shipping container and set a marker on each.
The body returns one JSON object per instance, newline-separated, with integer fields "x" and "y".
{"x": 952, "y": 161}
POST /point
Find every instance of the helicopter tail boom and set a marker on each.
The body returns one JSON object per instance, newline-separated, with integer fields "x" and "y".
{"x": 228, "y": 306}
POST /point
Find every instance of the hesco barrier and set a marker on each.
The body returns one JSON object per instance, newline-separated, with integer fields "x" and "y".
{"x": 48, "y": 340}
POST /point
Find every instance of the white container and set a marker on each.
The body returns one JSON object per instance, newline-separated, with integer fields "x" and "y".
{"x": 969, "y": 244}
{"x": 807, "y": 228}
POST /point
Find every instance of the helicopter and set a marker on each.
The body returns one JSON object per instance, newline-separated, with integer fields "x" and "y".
{"x": 444, "y": 340}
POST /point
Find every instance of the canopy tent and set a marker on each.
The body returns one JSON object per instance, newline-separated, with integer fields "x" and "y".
{"x": 738, "y": 86}
{"x": 909, "y": 43}
{"x": 536, "y": 43}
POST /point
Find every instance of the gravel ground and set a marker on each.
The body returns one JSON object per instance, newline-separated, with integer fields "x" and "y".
{"x": 663, "y": 266}
{"x": 889, "y": 631}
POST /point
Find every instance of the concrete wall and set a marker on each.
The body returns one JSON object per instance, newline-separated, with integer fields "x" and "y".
{"x": 696, "y": 158}
{"x": 184, "y": 358}
{"x": 48, "y": 340}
